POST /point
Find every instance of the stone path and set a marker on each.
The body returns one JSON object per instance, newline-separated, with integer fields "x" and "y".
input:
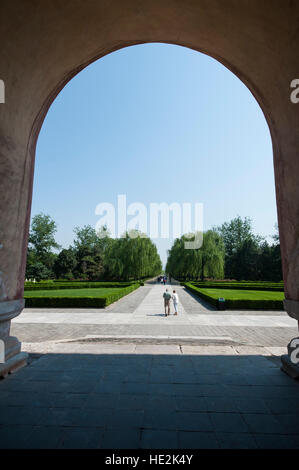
{"x": 81, "y": 390}
{"x": 141, "y": 314}
{"x": 148, "y": 396}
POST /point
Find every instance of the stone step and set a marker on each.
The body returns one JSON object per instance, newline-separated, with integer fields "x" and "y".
{"x": 157, "y": 339}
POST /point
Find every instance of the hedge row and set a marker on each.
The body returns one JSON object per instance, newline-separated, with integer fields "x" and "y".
{"x": 238, "y": 304}
{"x": 263, "y": 285}
{"x": 76, "y": 285}
{"x": 79, "y": 302}
{"x": 257, "y": 286}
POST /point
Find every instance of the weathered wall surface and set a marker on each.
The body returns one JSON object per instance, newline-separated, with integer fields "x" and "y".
{"x": 44, "y": 44}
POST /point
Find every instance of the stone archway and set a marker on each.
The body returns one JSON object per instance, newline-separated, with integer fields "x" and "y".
{"x": 45, "y": 44}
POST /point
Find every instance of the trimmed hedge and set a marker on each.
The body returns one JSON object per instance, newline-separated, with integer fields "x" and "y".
{"x": 75, "y": 285}
{"x": 237, "y": 304}
{"x": 79, "y": 302}
{"x": 263, "y": 285}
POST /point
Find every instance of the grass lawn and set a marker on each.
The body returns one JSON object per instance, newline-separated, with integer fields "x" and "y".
{"x": 234, "y": 294}
{"x": 97, "y": 297}
{"x": 240, "y": 299}
{"x": 92, "y": 292}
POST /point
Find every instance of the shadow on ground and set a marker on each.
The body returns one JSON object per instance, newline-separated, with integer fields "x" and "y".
{"x": 149, "y": 401}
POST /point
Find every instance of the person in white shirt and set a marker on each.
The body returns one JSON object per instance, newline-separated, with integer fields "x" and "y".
{"x": 175, "y": 299}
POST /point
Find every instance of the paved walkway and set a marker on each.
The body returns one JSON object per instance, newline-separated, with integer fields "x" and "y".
{"x": 141, "y": 314}
{"x": 136, "y": 392}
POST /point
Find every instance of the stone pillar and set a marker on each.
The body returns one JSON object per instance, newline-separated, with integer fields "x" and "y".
{"x": 290, "y": 361}
{"x": 13, "y": 357}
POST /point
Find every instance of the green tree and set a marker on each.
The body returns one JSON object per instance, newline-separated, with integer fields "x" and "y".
{"x": 188, "y": 264}
{"x": 133, "y": 256}
{"x": 212, "y": 255}
{"x": 40, "y": 255}
{"x": 237, "y": 235}
{"x": 65, "y": 264}
{"x": 88, "y": 248}
{"x": 270, "y": 259}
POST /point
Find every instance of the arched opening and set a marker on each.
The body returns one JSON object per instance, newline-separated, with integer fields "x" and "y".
{"x": 175, "y": 91}
{"x": 140, "y": 157}
{"x": 258, "y": 45}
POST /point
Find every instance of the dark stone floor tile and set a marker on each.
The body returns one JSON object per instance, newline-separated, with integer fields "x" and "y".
{"x": 251, "y": 405}
{"x": 220, "y": 404}
{"x": 263, "y": 424}
{"x": 81, "y": 438}
{"x": 190, "y": 421}
{"x": 275, "y": 441}
{"x": 197, "y": 440}
{"x": 14, "y": 436}
{"x": 157, "y": 439}
{"x": 125, "y": 419}
{"x": 45, "y": 437}
{"x": 160, "y": 419}
{"x": 228, "y": 422}
{"x": 191, "y": 404}
{"x": 102, "y": 400}
{"x": 121, "y": 438}
{"x": 236, "y": 441}
{"x": 289, "y": 422}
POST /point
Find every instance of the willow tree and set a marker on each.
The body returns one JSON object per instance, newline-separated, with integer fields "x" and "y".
{"x": 134, "y": 256}
{"x": 207, "y": 261}
{"x": 213, "y": 255}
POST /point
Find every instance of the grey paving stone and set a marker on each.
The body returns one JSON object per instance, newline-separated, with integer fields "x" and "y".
{"x": 162, "y": 389}
{"x": 122, "y": 438}
{"x": 283, "y": 406}
{"x": 132, "y": 402}
{"x": 102, "y": 400}
{"x": 236, "y": 440}
{"x": 160, "y": 419}
{"x": 125, "y": 419}
{"x": 14, "y": 437}
{"x": 228, "y": 422}
{"x": 191, "y": 404}
{"x": 161, "y": 402}
{"x": 233, "y": 378}
{"x": 10, "y": 415}
{"x": 190, "y": 421}
{"x": 88, "y": 400}
{"x": 135, "y": 388}
{"x": 62, "y": 400}
{"x": 267, "y": 441}
{"x": 289, "y": 423}
{"x": 197, "y": 440}
{"x": 264, "y": 424}
{"x": 205, "y": 379}
{"x": 91, "y": 417}
{"x": 42, "y": 437}
{"x": 252, "y": 405}
{"x": 81, "y": 438}
{"x": 155, "y": 439}
{"x": 220, "y": 404}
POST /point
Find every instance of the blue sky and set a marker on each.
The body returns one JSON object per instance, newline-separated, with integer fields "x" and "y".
{"x": 159, "y": 123}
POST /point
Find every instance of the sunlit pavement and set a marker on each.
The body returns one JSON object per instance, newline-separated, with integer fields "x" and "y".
{"x": 202, "y": 384}
{"x": 141, "y": 315}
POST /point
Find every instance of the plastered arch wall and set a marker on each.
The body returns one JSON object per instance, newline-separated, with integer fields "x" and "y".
{"x": 44, "y": 44}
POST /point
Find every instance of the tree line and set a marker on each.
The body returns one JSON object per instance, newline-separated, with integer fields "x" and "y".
{"x": 230, "y": 251}
{"x": 92, "y": 256}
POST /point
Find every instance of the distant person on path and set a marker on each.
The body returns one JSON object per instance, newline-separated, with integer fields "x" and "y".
{"x": 167, "y": 298}
{"x": 164, "y": 280}
{"x": 175, "y": 299}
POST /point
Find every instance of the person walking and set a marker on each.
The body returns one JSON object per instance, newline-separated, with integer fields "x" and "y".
{"x": 167, "y": 297}
{"x": 175, "y": 299}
